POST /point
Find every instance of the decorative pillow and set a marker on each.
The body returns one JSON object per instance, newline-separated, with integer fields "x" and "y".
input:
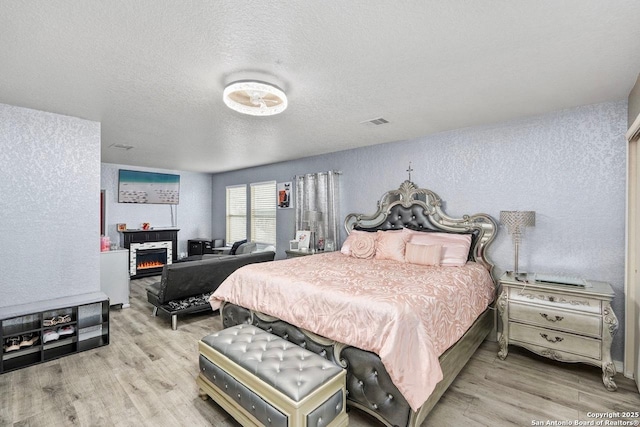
{"x": 455, "y": 247}
{"x": 390, "y": 245}
{"x": 408, "y": 233}
{"x": 346, "y": 246}
{"x": 364, "y": 246}
{"x": 236, "y": 245}
{"x": 423, "y": 254}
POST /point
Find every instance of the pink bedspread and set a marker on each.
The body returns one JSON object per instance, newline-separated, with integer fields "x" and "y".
{"x": 407, "y": 314}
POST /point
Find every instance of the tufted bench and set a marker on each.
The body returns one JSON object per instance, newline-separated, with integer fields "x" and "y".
{"x": 264, "y": 380}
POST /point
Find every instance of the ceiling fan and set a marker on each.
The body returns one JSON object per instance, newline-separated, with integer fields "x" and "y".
{"x": 255, "y": 98}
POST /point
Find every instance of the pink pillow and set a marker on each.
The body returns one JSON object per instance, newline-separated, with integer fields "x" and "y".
{"x": 455, "y": 247}
{"x": 408, "y": 233}
{"x": 346, "y": 246}
{"x": 423, "y": 254}
{"x": 390, "y": 245}
{"x": 364, "y": 246}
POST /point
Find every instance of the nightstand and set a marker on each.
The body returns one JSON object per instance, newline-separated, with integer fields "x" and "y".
{"x": 562, "y": 322}
{"x": 291, "y": 253}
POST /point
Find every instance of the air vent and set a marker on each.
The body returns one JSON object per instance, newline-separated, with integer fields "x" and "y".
{"x": 121, "y": 146}
{"x": 375, "y": 122}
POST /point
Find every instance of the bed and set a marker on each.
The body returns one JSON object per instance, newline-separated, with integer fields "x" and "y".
{"x": 392, "y": 373}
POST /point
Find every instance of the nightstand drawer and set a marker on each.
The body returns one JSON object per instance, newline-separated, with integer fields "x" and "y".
{"x": 554, "y": 318}
{"x": 555, "y": 340}
{"x": 555, "y": 299}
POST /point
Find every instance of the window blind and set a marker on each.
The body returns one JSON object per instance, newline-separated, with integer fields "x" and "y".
{"x": 236, "y": 213}
{"x": 263, "y": 212}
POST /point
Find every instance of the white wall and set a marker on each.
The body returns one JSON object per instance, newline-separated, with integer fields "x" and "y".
{"x": 49, "y": 205}
{"x": 568, "y": 166}
{"x": 192, "y": 214}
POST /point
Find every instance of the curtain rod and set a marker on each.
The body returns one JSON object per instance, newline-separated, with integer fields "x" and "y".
{"x": 318, "y": 173}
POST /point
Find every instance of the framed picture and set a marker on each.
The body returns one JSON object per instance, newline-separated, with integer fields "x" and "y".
{"x": 283, "y": 190}
{"x": 122, "y": 227}
{"x": 148, "y": 187}
{"x": 303, "y": 238}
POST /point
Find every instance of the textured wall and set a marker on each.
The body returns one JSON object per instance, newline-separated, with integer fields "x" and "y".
{"x": 568, "y": 166}
{"x": 193, "y": 212}
{"x": 49, "y": 204}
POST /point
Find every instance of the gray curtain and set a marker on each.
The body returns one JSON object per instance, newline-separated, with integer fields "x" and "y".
{"x": 319, "y": 192}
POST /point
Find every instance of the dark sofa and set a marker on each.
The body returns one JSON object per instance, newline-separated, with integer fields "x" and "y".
{"x": 183, "y": 284}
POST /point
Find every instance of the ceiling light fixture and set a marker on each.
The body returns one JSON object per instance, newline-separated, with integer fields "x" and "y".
{"x": 255, "y": 98}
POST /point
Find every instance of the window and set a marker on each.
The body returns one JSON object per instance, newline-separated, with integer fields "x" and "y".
{"x": 236, "y": 213}
{"x": 263, "y": 212}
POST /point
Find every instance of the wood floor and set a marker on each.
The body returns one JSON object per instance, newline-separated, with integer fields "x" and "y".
{"x": 146, "y": 377}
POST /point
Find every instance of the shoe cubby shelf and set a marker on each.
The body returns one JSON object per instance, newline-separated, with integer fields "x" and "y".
{"x": 46, "y": 330}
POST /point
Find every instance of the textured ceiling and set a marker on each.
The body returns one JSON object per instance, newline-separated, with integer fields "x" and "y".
{"x": 153, "y": 71}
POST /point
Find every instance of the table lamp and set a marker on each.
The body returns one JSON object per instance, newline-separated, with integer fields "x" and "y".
{"x": 516, "y": 222}
{"x": 313, "y": 218}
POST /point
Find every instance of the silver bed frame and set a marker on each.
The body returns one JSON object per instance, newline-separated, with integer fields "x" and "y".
{"x": 369, "y": 387}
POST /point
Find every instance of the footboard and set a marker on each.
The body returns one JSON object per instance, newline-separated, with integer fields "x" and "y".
{"x": 369, "y": 386}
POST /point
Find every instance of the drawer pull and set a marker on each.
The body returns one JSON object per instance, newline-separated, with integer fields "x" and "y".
{"x": 555, "y": 340}
{"x": 551, "y": 319}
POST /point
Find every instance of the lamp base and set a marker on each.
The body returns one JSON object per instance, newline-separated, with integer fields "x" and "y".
{"x": 520, "y": 276}
{"x": 313, "y": 244}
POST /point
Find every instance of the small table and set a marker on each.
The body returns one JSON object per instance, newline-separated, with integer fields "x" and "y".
{"x": 562, "y": 322}
{"x": 221, "y": 250}
{"x": 114, "y": 276}
{"x": 291, "y": 253}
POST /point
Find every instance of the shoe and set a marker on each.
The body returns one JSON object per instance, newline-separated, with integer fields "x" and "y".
{"x": 11, "y": 344}
{"x": 49, "y": 335}
{"x": 28, "y": 340}
{"x": 66, "y": 330}
{"x": 50, "y": 322}
{"x": 56, "y": 320}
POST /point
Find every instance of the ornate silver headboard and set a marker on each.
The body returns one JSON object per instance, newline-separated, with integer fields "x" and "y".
{"x": 421, "y": 209}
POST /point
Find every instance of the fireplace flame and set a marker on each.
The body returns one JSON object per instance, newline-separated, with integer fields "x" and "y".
{"x": 149, "y": 264}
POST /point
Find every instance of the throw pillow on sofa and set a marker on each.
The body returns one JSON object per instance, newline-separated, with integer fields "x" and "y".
{"x": 246, "y": 248}
{"x": 236, "y": 245}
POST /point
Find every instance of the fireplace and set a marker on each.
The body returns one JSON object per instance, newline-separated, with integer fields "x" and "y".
{"x": 154, "y": 241}
{"x": 147, "y": 259}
